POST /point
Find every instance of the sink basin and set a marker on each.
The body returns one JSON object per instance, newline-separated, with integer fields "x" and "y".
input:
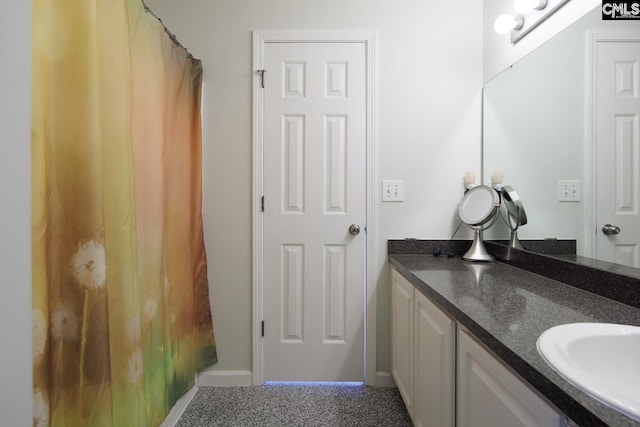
{"x": 601, "y": 359}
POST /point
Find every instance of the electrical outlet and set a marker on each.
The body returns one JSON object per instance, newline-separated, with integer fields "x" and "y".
{"x": 569, "y": 190}
{"x": 392, "y": 191}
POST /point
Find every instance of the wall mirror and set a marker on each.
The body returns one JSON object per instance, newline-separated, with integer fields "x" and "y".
{"x": 537, "y": 132}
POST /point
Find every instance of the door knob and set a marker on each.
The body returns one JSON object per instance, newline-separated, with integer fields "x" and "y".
{"x": 354, "y": 229}
{"x": 610, "y": 230}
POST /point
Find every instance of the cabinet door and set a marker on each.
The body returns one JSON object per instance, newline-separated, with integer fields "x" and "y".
{"x": 489, "y": 395}
{"x": 402, "y": 337}
{"x": 434, "y": 393}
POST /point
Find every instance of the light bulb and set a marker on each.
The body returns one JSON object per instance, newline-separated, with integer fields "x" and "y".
{"x": 506, "y": 23}
{"x": 525, "y": 6}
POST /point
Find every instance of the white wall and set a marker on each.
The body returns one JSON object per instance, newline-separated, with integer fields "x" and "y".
{"x": 428, "y": 129}
{"x": 499, "y": 53}
{"x": 15, "y": 228}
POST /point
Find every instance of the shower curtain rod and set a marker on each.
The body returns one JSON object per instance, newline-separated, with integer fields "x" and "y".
{"x": 172, "y": 36}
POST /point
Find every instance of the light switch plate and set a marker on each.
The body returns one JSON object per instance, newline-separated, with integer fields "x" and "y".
{"x": 392, "y": 191}
{"x": 569, "y": 190}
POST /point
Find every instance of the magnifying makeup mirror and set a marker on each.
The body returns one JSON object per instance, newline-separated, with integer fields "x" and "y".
{"x": 478, "y": 209}
{"x": 515, "y": 216}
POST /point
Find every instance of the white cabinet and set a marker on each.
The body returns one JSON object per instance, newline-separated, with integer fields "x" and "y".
{"x": 490, "y": 395}
{"x": 422, "y": 355}
{"x": 423, "y": 364}
{"x": 402, "y": 302}
{"x": 434, "y": 365}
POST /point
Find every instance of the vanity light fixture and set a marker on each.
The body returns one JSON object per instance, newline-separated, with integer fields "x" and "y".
{"x": 530, "y": 14}
{"x": 525, "y": 6}
{"x": 506, "y": 23}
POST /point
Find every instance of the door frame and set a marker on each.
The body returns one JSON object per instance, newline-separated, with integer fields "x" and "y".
{"x": 594, "y": 38}
{"x": 260, "y": 38}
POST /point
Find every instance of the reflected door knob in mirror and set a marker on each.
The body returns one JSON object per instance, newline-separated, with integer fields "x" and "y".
{"x": 610, "y": 230}
{"x": 354, "y": 229}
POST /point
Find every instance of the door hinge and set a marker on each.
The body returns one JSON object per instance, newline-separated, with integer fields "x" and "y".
{"x": 262, "y": 204}
{"x": 262, "y": 326}
{"x": 262, "y": 77}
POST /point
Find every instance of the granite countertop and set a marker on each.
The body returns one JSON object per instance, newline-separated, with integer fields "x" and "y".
{"x": 507, "y": 308}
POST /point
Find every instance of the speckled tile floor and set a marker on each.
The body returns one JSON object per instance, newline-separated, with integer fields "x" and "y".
{"x": 296, "y": 405}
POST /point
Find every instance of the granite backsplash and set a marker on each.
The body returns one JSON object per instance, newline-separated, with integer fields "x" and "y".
{"x": 612, "y": 281}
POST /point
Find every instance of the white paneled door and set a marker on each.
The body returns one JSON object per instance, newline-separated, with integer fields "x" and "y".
{"x": 618, "y": 152}
{"x": 314, "y": 211}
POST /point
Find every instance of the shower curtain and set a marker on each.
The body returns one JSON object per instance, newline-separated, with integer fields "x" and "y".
{"x": 121, "y": 315}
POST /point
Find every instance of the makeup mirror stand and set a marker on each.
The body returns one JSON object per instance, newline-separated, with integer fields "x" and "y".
{"x": 514, "y": 242}
{"x": 477, "y": 251}
{"x": 479, "y": 210}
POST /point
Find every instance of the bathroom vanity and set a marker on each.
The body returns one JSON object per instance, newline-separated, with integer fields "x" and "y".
{"x": 464, "y": 342}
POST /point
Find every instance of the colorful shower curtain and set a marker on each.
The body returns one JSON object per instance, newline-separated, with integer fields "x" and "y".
{"x": 121, "y": 316}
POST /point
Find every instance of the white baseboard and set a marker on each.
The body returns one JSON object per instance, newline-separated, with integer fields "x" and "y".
{"x": 213, "y": 378}
{"x": 179, "y": 407}
{"x": 384, "y": 379}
